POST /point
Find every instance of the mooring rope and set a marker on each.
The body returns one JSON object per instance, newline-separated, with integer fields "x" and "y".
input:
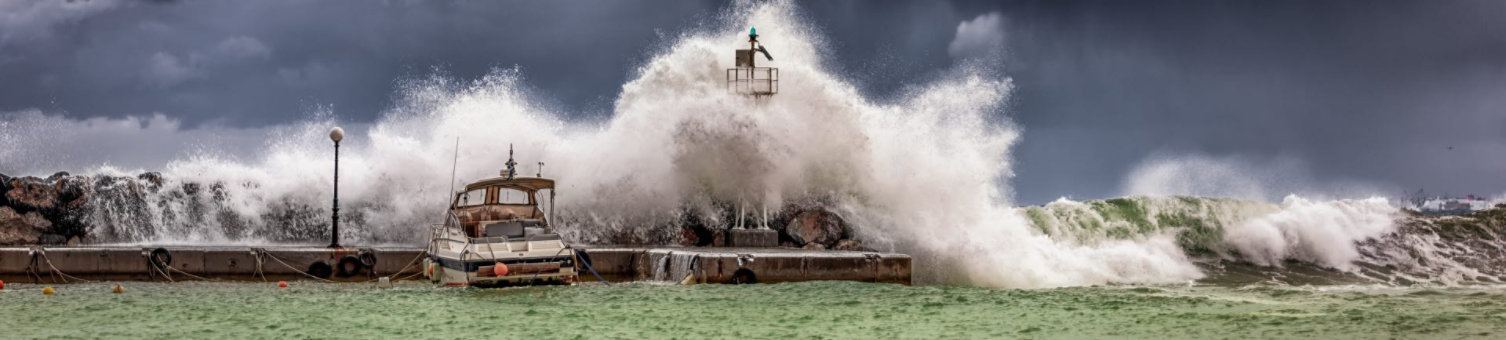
{"x": 55, "y": 268}
{"x": 410, "y": 276}
{"x": 400, "y": 271}
{"x": 410, "y": 265}
{"x": 285, "y": 264}
{"x": 588, "y": 267}
{"x": 200, "y": 278}
{"x": 256, "y": 253}
{"x": 33, "y": 267}
{"x": 536, "y": 274}
{"x": 164, "y": 273}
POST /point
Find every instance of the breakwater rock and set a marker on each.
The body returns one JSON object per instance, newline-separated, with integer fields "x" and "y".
{"x": 807, "y": 226}
{"x": 42, "y": 210}
{"x": 82, "y": 209}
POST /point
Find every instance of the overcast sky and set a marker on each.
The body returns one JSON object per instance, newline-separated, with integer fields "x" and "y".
{"x": 1384, "y": 95}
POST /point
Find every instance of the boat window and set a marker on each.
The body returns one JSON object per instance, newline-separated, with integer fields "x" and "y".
{"x": 510, "y": 196}
{"x": 543, "y": 201}
{"x": 473, "y": 197}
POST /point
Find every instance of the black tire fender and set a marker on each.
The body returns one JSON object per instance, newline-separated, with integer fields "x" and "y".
{"x": 744, "y": 276}
{"x": 368, "y": 259}
{"x": 160, "y": 258}
{"x": 348, "y": 266}
{"x": 320, "y": 269}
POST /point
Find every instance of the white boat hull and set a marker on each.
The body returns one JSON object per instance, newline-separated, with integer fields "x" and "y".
{"x": 455, "y": 260}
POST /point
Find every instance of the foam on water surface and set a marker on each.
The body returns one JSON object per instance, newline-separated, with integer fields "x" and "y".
{"x": 830, "y": 310}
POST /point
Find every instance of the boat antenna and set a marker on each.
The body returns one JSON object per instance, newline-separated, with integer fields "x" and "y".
{"x": 512, "y": 169}
{"x": 541, "y": 170}
{"x": 453, "y": 165}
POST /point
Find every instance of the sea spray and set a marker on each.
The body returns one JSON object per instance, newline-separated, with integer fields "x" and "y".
{"x": 1323, "y": 233}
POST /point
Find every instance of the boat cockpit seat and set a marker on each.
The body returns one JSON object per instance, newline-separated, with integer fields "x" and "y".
{"x": 510, "y": 229}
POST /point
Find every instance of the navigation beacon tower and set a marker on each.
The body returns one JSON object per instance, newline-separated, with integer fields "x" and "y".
{"x": 749, "y": 79}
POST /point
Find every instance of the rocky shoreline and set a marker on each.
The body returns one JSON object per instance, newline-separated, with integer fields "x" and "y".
{"x": 84, "y": 209}
{"x": 43, "y": 210}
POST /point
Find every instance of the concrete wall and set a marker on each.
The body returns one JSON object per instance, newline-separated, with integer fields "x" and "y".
{"x": 774, "y": 265}
{"x": 120, "y": 263}
{"x": 709, "y": 265}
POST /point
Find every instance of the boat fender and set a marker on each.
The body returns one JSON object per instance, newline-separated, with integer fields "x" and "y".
{"x": 500, "y": 269}
{"x": 438, "y": 272}
{"x": 744, "y": 276}
{"x": 320, "y": 269}
{"x": 348, "y": 266}
{"x": 161, "y": 258}
{"x": 368, "y": 258}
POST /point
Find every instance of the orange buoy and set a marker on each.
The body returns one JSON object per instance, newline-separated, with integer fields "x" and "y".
{"x": 282, "y": 284}
{"x": 118, "y": 289}
{"x": 48, "y": 291}
{"x": 500, "y": 269}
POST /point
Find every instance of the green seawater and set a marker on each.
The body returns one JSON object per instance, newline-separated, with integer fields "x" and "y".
{"x": 815, "y": 310}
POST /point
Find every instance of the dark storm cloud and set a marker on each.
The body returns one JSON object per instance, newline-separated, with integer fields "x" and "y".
{"x": 1374, "y": 92}
{"x": 251, "y": 63}
{"x": 1393, "y": 94}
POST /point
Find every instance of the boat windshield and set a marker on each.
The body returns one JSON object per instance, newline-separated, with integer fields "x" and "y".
{"x": 510, "y": 196}
{"x": 473, "y": 197}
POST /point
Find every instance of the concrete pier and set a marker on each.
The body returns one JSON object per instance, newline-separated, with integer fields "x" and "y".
{"x": 221, "y": 262}
{"x": 748, "y": 265}
{"x": 618, "y": 264}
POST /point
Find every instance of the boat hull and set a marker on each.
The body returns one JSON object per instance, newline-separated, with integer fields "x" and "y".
{"x": 522, "y": 270}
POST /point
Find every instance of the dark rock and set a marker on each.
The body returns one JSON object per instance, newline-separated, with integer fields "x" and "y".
{"x": 4, "y": 186}
{"x": 52, "y": 240}
{"x": 815, "y": 226}
{"x": 30, "y": 194}
{"x": 689, "y": 237}
{"x": 152, "y": 179}
{"x": 850, "y": 244}
{"x": 191, "y": 189}
{"x": 719, "y": 239}
{"x": 57, "y": 176}
{"x": 752, "y": 238}
{"x": 21, "y": 229}
{"x": 73, "y": 192}
{"x": 814, "y": 246}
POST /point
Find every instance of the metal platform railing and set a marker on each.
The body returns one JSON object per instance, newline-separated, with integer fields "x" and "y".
{"x": 753, "y": 80}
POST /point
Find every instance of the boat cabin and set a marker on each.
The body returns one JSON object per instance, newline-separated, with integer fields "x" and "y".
{"x": 502, "y": 206}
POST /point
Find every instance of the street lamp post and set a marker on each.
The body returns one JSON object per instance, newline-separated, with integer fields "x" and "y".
{"x": 336, "y": 134}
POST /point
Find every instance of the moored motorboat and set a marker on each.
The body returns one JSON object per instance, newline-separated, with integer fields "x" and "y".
{"x": 497, "y": 234}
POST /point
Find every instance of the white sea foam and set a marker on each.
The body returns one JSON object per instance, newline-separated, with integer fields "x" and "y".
{"x": 1319, "y": 232}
